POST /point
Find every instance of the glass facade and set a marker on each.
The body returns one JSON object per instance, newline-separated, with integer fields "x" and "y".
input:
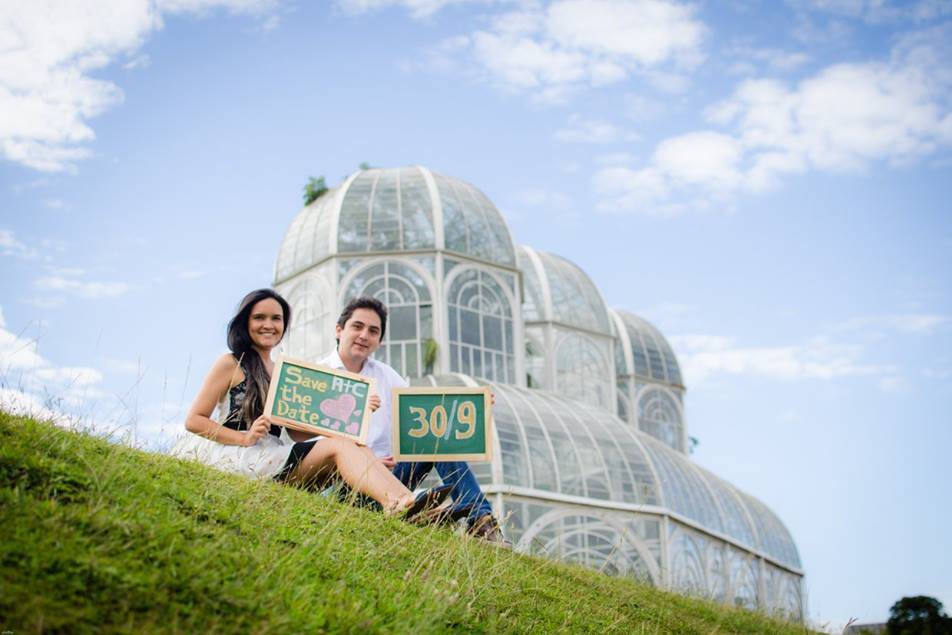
{"x": 590, "y": 464}
{"x": 408, "y": 299}
{"x": 479, "y": 319}
{"x": 648, "y": 379}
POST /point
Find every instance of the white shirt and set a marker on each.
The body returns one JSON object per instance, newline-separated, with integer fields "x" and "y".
{"x": 379, "y": 439}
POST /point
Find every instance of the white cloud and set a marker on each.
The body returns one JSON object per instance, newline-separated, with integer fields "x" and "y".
{"x": 846, "y": 117}
{"x": 878, "y": 11}
{"x": 10, "y": 246}
{"x": 419, "y": 9}
{"x": 642, "y": 108}
{"x": 645, "y": 32}
{"x": 17, "y": 402}
{"x": 46, "y": 302}
{"x": 749, "y": 60}
{"x": 894, "y": 384}
{"x": 702, "y": 356}
{"x": 24, "y": 371}
{"x": 582, "y": 130}
{"x": 700, "y": 157}
{"x": 48, "y": 50}
{"x": 139, "y": 61}
{"x": 568, "y": 45}
{"x": 88, "y": 290}
{"x": 915, "y": 323}
{"x": 541, "y": 197}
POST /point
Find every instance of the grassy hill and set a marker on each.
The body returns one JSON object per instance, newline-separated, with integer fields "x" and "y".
{"x": 97, "y": 536}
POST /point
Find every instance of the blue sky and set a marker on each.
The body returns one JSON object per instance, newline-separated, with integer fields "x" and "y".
{"x": 767, "y": 182}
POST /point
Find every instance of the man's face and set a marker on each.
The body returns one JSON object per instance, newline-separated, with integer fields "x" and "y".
{"x": 360, "y": 336}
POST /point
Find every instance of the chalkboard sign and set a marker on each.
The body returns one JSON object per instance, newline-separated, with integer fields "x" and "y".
{"x": 317, "y": 399}
{"x": 442, "y": 424}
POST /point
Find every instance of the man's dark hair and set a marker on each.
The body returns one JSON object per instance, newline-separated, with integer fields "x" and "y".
{"x": 365, "y": 302}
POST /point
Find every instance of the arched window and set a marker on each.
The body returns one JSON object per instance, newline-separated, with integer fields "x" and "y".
{"x": 410, "y": 319}
{"x": 480, "y": 327}
{"x": 581, "y": 373}
{"x": 311, "y": 332}
{"x": 687, "y": 567}
{"x": 659, "y": 416}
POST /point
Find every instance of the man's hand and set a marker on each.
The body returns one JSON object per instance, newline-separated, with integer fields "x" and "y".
{"x": 373, "y": 402}
{"x": 492, "y": 398}
{"x": 388, "y": 462}
{"x": 258, "y": 429}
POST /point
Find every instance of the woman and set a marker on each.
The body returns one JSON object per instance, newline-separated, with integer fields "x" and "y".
{"x": 246, "y": 441}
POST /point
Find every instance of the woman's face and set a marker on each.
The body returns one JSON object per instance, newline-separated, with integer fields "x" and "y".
{"x": 266, "y": 324}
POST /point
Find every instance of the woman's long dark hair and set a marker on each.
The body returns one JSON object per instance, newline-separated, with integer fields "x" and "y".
{"x": 239, "y": 342}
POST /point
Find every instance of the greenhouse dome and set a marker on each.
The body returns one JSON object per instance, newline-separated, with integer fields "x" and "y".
{"x": 648, "y": 378}
{"x": 591, "y": 449}
{"x": 651, "y": 356}
{"x": 559, "y": 291}
{"x": 395, "y": 210}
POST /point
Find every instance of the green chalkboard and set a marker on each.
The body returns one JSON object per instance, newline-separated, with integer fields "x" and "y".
{"x": 442, "y": 424}
{"x": 317, "y": 399}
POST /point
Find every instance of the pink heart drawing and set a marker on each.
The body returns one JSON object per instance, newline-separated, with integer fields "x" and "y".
{"x": 352, "y": 428}
{"x": 339, "y": 408}
{"x": 356, "y": 413}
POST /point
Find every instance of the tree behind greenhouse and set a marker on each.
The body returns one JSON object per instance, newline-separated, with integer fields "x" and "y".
{"x": 918, "y": 615}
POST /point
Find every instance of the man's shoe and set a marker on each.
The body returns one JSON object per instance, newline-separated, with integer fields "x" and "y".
{"x": 446, "y": 514}
{"x": 425, "y": 501}
{"x": 486, "y": 528}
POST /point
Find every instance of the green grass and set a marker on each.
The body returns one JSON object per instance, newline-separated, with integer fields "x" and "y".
{"x": 100, "y": 537}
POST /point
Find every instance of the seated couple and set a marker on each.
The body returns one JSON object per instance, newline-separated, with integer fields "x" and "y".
{"x": 246, "y": 442}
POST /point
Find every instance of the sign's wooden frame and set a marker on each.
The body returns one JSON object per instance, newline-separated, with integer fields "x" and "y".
{"x": 448, "y": 391}
{"x": 371, "y": 383}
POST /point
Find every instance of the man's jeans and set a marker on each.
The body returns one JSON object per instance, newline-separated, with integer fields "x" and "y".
{"x": 465, "y": 490}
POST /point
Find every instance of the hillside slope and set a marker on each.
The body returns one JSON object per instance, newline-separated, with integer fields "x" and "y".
{"x": 98, "y": 536}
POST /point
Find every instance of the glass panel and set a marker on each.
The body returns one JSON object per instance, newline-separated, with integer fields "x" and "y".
{"x": 401, "y": 288}
{"x": 353, "y": 231}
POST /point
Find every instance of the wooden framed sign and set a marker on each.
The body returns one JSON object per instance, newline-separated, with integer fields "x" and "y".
{"x": 314, "y": 398}
{"x": 442, "y": 424}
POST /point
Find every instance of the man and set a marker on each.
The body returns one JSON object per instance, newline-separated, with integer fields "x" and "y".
{"x": 360, "y": 329}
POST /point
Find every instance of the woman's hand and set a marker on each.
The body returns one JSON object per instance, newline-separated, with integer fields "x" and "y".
{"x": 373, "y": 402}
{"x": 258, "y": 429}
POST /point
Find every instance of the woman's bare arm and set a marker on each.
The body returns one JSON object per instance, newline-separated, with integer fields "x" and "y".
{"x": 224, "y": 374}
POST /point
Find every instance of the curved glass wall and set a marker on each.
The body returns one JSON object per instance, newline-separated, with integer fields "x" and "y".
{"x": 472, "y": 224}
{"x": 386, "y": 210}
{"x": 311, "y": 333}
{"x": 479, "y": 321}
{"x": 567, "y": 295}
{"x": 410, "y": 312}
{"x": 581, "y": 370}
{"x": 659, "y": 414}
{"x": 533, "y": 302}
{"x": 581, "y": 451}
{"x": 651, "y": 354}
{"x": 307, "y": 240}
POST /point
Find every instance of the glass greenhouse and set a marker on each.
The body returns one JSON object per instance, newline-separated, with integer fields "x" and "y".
{"x": 590, "y": 462}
